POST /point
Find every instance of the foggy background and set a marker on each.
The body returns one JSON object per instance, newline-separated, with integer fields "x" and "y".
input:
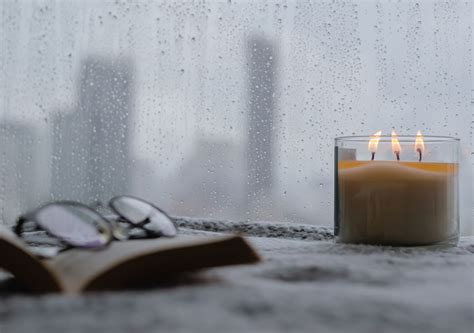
{"x": 222, "y": 109}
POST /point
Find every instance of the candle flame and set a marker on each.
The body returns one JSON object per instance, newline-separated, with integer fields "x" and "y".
{"x": 396, "y": 148}
{"x": 374, "y": 141}
{"x": 419, "y": 145}
{"x": 419, "y": 142}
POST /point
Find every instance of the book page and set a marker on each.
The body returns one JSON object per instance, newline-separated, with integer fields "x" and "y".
{"x": 145, "y": 258}
{"x": 30, "y": 271}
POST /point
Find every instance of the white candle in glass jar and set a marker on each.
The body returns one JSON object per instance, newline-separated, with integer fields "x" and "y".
{"x": 397, "y": 203}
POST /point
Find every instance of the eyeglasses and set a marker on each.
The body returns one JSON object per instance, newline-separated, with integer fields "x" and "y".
{"x": 76, "y": 225}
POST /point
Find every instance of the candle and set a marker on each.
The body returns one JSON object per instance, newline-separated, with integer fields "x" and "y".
{"x": 395, "y": 202}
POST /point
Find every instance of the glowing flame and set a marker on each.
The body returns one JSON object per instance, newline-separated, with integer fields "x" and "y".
{"x": 396, "y": 148}
{"x": 374, "y": 141}
{"x": 419, "y": 143}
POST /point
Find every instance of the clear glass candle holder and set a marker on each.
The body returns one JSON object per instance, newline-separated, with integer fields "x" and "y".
{"x": 397, "y": 191}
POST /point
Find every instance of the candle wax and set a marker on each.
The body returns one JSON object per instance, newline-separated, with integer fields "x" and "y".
{"x": 397, "y": 203}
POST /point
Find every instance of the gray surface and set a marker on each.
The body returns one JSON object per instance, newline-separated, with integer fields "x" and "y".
{"x": 306, "y": 283}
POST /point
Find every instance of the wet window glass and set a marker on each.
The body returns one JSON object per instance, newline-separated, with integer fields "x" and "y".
{"x": 223, "y": 109}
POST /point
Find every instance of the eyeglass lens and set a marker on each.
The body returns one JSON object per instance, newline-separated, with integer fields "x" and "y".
{"x": 137, "y": 211}
{"x": 76, "y": 225}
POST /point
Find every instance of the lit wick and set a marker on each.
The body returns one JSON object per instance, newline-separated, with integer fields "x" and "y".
{"x": 419, "y": 145}
{"x": 373, "y": 143}
{"x": 396, "y": 148}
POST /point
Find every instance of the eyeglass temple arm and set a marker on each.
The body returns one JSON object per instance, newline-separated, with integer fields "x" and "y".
{"x": 18, "y": 228}
{"x": 28, "y": 217}
{"x": 136, "y": 225}
{"x": 140, "y": 225}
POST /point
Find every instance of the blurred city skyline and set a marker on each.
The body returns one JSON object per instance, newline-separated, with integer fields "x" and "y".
{"x": 91, "y": 152}
{"x": 230, "y": 109}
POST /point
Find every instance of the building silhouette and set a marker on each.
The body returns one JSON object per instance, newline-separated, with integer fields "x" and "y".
{"x": 19, "y": 178}
{"x": 209, "y": 181}
{"x": 91, "y": 154}
{"x": 260, "y": 127}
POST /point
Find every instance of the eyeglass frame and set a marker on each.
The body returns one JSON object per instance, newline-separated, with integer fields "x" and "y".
{"x": 109, "y": 225}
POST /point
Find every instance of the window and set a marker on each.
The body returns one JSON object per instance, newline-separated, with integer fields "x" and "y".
{"x": 221, "y": 109}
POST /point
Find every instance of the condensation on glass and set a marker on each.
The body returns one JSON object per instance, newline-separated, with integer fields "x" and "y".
{"x": 217, "y": 109}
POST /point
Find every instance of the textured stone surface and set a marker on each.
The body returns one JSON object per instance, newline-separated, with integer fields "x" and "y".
{"x": 305, "y": 283}
{"x": 259, "y": 229}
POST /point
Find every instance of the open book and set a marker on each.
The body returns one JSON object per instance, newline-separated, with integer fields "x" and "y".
{"x": 120, "y": 265}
